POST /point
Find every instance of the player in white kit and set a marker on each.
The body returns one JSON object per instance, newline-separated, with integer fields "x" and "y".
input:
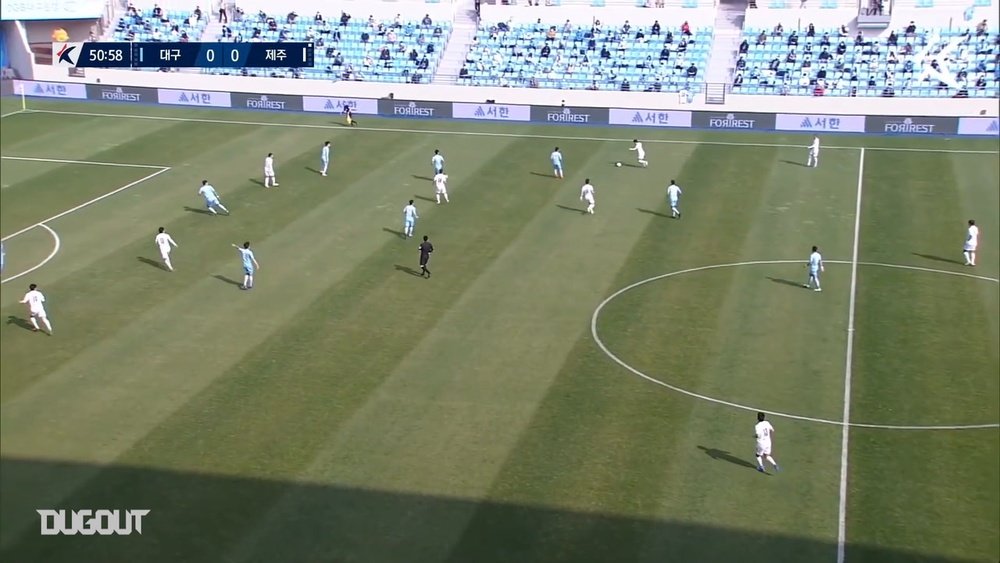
{"x": 269, "y": 179}
{"x": 762, "y": 433}
{"x": 165, "y": 243}
{"x": 587, "y": 194}
{"x": 441, "y": 186}
{"x": 815, "y": 268}
{"x": 36, "y": 308}
{"x": 324, "y": 157}
{"x": 813, "y": 161}
{"x": 674, "y": 196}
{"x": 971, "y": 243}
{"x": 640, "y": 153}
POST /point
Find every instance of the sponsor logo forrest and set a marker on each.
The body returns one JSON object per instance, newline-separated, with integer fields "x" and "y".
{"x": 730, "y": 121}
{"x": 412, "y": 110}
{"x": 908, "y": 125}
{"x": 263, "y": 102}
{"x": 120, "y": 95}
{"x": 567, "y": 116}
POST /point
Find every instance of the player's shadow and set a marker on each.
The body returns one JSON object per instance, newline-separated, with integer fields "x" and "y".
{"x": 407, "y": 269}
{"x": 151, "y": 262}
{"x": 573, "y": 209}
{"x": 393, "y": 231}
{"x": 783, "y": 281}
{"x": 626, "y": 164}
{"x": 542, "y": 175}
{"x": 313, "y": 170}
{"x": 425, "y": 198}
{"x": 419, "y": 177}
{"x": 793, "y": 163}
{"x": 230, "y": 281}
{"x": 258, "y": 182}
{"x": 18, "y": 321}
{"x": 939, "y": 258}
{"x": 651, "y": 212}
{"x": 723, "y": 455}
{"x": 196, "y": 210}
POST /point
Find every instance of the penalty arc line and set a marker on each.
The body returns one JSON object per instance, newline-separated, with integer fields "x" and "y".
{"x": 791, "y": 416}
{"x": 55, "y": 250}
{"x": 848, "y": 367}
{"x": 484, "y": 133}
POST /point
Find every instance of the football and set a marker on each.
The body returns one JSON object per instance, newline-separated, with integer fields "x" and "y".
{"x": 618, "y": 164}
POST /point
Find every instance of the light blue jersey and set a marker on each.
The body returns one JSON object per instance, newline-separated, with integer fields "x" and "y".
{"x": 324, "y": 155}
{"x": 557, "y": 160}
{"x": 815, "y": 263}
{"x": 248, "y": 260}
{"x": 410, "y": 215}
{"x": 438, "y": 162}
{"x": 208, "y": 192}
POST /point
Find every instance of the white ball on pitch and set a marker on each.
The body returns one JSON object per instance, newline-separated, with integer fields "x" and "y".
{"x": 618, "y": 164}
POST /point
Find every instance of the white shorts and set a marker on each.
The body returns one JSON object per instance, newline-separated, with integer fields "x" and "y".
{"x": 442, "y": 190}
{"x": 590, "y": 200}
{"x": 164, "y": 252}
{"x": 969, "y": 248}
{"x": 38, "y": 313}
{"x": 269, "y": 172}
{"x": 641, "y": 155}
{"x": 763, "y": 449}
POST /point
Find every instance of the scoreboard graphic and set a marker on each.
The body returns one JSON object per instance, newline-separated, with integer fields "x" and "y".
{"x": 183, "y": 55}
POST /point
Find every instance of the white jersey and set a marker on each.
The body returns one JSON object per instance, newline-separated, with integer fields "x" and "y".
{"x": 441, "y": 182}
{"x": 640, "y": 152}
{"x": 269, "y": 166}
{"x": 763, "y": 431}
{"x": 814, "y": 147}
{"x": 438, "y": 161}
{"x": 208, "y": 192}
{"x": 164, "y": 241}
{"x": 972, "y": 238}
{"x": 673, "y": 192}
{"x": 35, "y": 301}
{"x": 587, "y": 193}
{"x": 815, "y": 262}
{"x": 324, "y": 154}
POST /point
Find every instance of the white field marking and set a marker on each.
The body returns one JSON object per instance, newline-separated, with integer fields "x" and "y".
{"x": 483, "y": 133}
{"x": 84, "y": 162}
{"x": 848, "y": 365}
{"x": 600, "y": 344}
{"x": 88, "y": 203}
{"x": 55, "y": 250}
{"x": 12, "y": 113}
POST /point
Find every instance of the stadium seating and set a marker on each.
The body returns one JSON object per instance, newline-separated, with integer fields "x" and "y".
{"x": 170, "y": 25}
{"x": 924, "y": 63}
{"x": 393, "y": 50}
{"x": 568, "y": 56}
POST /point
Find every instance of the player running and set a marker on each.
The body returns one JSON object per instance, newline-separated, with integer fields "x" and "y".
{"x": 269, "y": 179}
{"x": 425, "y": 255}
{"x": 249, "y": 264}
{"x": 640, "y": 153}
{"x": 324, "y": 158}
{"x": 813, "y": 160}
{"x": 36, "y": 308}
{"x": 409, "y": 219}
{"x": 587, "y": 194}
{"x": 674, "y": 196}
{"x": 762, "y": 432}
{"x": 815, "y": 268}
{"x": 971, "y": 243}
{"x": 441, "y": 186}
{"x": 437, "y": 161}
{"x": 211, "y": 196}
{"x": 557, "y": 163}
{"x": 349, "y": 116}
{"x": 165, "y": 243}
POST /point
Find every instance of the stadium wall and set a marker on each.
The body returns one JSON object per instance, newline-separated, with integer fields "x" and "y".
{"x": 914, "y": 124}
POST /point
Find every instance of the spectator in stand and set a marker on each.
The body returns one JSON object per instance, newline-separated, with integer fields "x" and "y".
{"x": 762, "y": 39}
{"x": 318, "y": 18}
{"x": 291, "y": 17}
{"x": 981, "y": 29}
{"x": 655, "y": 30}
{"x": 223, "y": 16}
{"x": 197, "y": 13}
{"x": 692, "y": 71}
{"x": 157, "y": 11}
{"x": 426, "y": 22}
{"x": 463, "y": 73}
{"x": 345, "y": 18}
{"x": 825, "y": 40}
{"x": 778, "y": 31}
{"x": 390, "y": 36}
{"x": 911, "y": 30}
{"x": 843, "y": 31}
{"x": 738, "y": 81}
{"x": 686, "y": 28}
{"x": 744, "y": 47}
{"x": 811, "y": 31}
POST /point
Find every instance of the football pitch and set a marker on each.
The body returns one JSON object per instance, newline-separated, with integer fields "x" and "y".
{"x": 566, "y": 387}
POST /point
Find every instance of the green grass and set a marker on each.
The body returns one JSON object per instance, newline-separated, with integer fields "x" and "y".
{"x": 346, "y": 410}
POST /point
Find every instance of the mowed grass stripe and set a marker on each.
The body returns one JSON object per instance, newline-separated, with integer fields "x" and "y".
{"x": 606, "y": 442}
{"x": 927, "y": 355}
{"x": 207, "y": 327}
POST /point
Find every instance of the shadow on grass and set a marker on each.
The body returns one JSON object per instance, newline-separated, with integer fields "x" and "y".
{"x": 783, "y": 281}
{"x": 258, "y": 182}
{"x": 574, "y": 209}
{"x": 543, "y": 175}
{"x": 419, "y": 177}
{"x": 407, "y": 269}
{"x": 793, "y": 163}
{"x": 626, "y": 164}
{"x": 150, "y": 262}
{"x": 200, "y": 517}
{"x": 313, "y": 170}
{"x": 425, "y": 198}
{"x": 394, "y": 232}
{"x": 723, "y": 455}
{"x": 651, "y": 212}
{"x": 19, "y": 322}
{"x": 230, "y": 281}
{"x": 939, "y": 259}
{"x": 197, "y": 210}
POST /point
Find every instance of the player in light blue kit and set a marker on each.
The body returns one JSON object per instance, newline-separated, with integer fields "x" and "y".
{"x": 409, "y": 219}
{"x": 556, "y": 158}
{"x": 324, "y": 157}
{"x": 815, "y": 268}
{"x": 438, "y": 161}
{"x": 249, "y": 264}
{"x": 211, "y": 197}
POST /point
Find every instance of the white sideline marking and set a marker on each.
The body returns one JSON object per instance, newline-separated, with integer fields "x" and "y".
{"x": 848, "y": 363}
{"x": 55, "y": 250}
{"x": 484, "y": 133}
{"x": 88, "y": 203}
{"x": 85, "y": 162}
{"x": 12, "y": 113}
{"x": 600, "y": 344}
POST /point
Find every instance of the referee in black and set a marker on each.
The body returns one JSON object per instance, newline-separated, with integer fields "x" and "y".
{"x": 425, "y": 254}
